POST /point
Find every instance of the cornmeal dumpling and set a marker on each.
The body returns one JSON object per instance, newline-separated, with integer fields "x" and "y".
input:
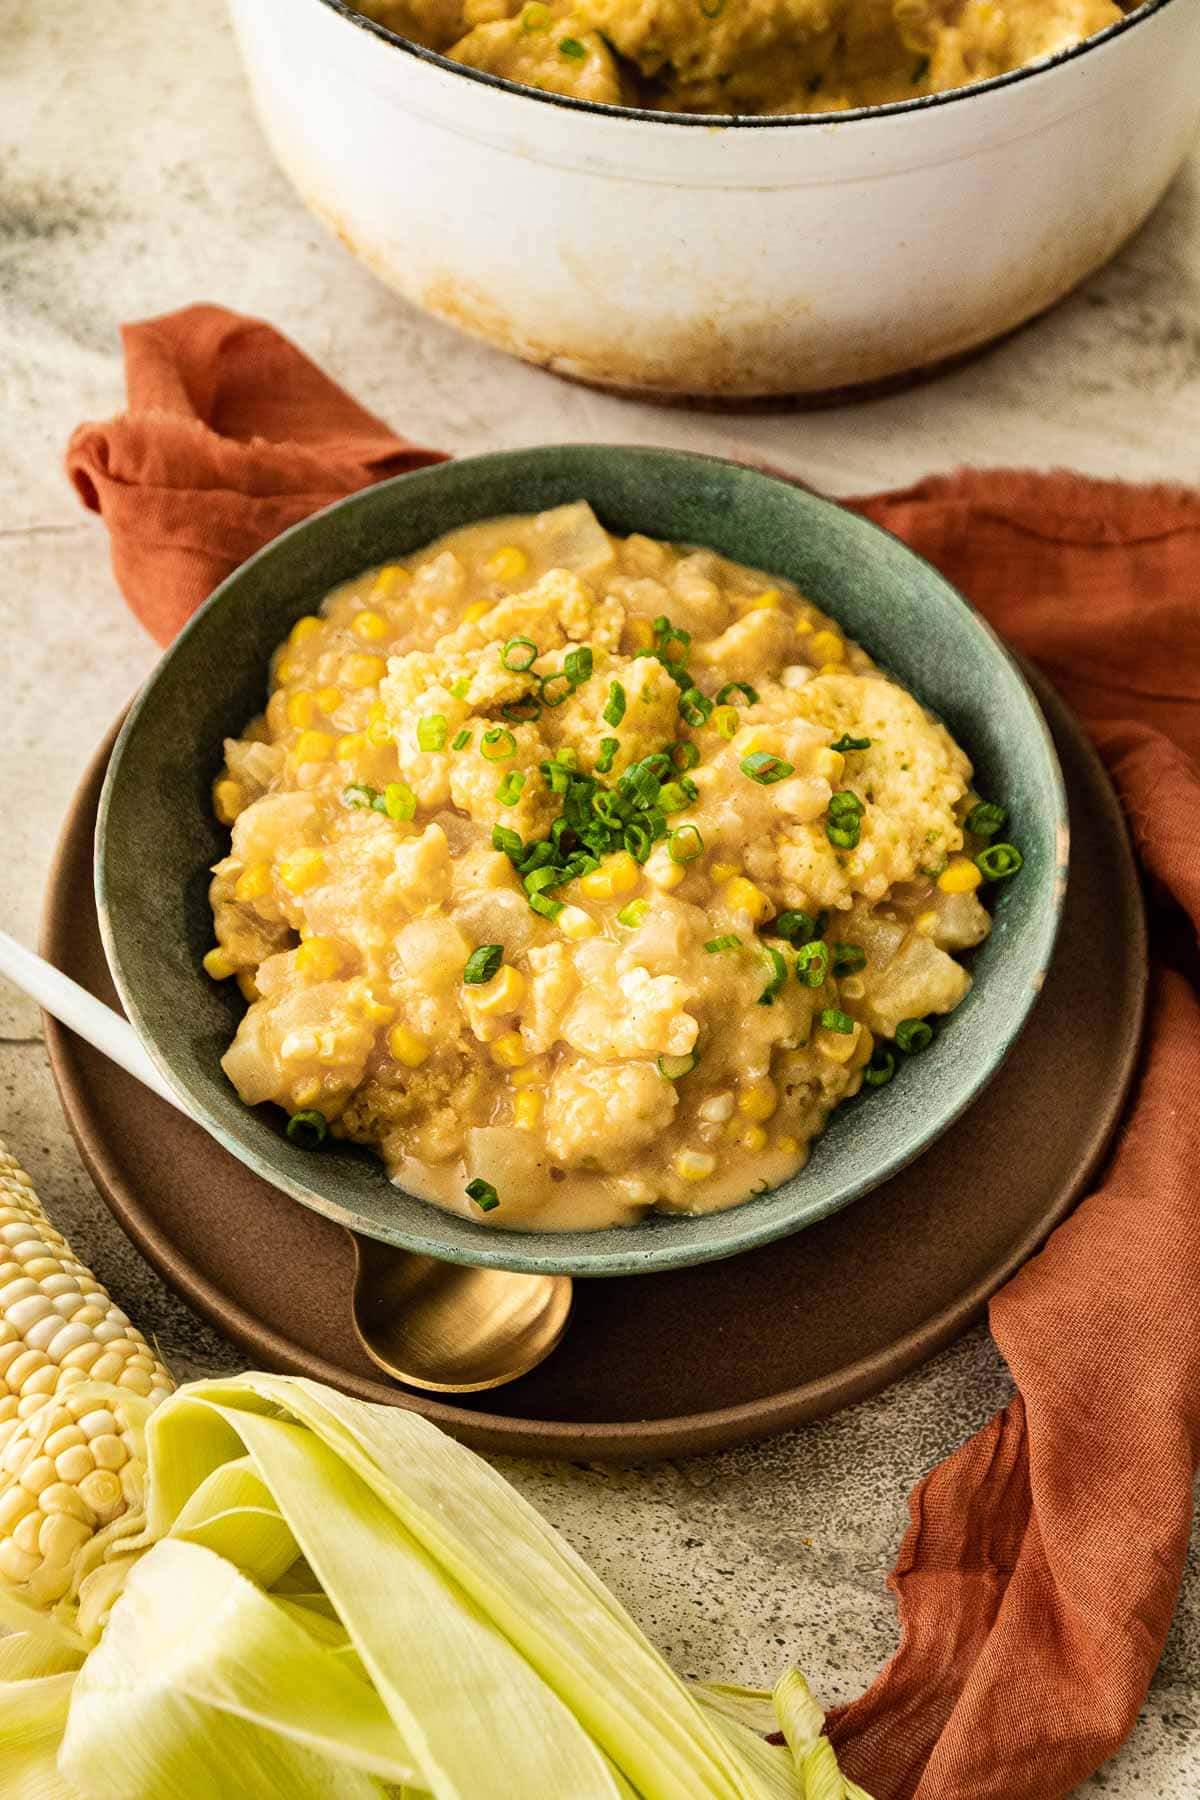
{"x": 583, "y": 875}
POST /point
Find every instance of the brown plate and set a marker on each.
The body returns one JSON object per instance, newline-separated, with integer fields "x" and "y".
{"x": 667, "y": 1364}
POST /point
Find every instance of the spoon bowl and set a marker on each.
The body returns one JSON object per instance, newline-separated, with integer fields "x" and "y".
{"x": 450, "y": 1328}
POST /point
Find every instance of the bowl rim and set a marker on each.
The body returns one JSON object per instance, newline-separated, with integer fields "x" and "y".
{"x": 522, "y": 1251}
{"x": 1044, "y": 66}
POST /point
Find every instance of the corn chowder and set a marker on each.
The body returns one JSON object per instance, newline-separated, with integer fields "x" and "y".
{"x": 583, "y": 875}
{"x": 746, "y": 56}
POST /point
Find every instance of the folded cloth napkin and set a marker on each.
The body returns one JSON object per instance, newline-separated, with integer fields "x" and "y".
{"x": 1042, "y": 1563}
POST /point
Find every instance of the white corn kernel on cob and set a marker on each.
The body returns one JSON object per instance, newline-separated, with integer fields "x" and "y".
{"x": 77, "y": 1383}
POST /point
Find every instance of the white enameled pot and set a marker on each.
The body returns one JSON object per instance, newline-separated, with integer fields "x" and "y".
{"x": 724, "y": 258}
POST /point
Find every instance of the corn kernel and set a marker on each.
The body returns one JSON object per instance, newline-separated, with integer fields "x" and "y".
{"x": 831, "y": 668}
{"x": 304, "y": 629}
{"x": 742, "y": 896}
{"x": 248, "y": 987}
{"x": 723, "y": 871}
{"x": 476, "y": 611}
{"x": 962, "y": 877}
{"x": 640, "y": 633}
{"x": 351, "y": 746}
{"x": 717, "y": 1109}
{"x": 287, "y": 669}
{"x": 302, "y": 871}
{"x": 503, "y": 993}
{"x": 406, "y": 1047}
{"x": 755, "y": 1139}
{"x": 509, "y": 1050}
{"x": 694, "y": 1165}
{"x": 534, "y": 1074}
{"x": 252, "y": 883}
{"x": 788, "y": 1146}
{"x": 618, "y": 874}
{"x": 574, "y": 923}
{"x": 926, "y": 923}
{"x": 371, "y": 627}
{"x": 838, "y": 1046}
{"x": 803, "y": 626}
{"x": 507, "y": 563}
{"x": 302, "y": 709}
{"x": 388, "y": 580}
{"x": 758, "y": 1099}
{"x": 228, "y": 800}
{"x": 767, "y": 601}
{"x": 309, "y": 1092}
{"x": 379, "y": 733}
{"x": 828, "y": 647}
{"x": 318, "y": 959}
{"x": 527, "y": 1110}
{"x": 363, "y": 671}
{"x": 662, "y": 871}
{"x": 314, "y": 746}
{"x": 218, "y": 965}
{"x": 829, "y": 763}
{"x": 329, "y": 699}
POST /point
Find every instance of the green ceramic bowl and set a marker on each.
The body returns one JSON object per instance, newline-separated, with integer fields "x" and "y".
{"x": 156, "y": 835}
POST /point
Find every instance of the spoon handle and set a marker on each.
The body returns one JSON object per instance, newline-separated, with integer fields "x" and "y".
{"x": 72, "y": 1005}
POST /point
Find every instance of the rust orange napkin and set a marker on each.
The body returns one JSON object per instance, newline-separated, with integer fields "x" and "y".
{"x": 1042, "y": 1563}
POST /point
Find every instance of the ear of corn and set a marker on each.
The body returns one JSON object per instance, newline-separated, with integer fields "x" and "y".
{"x": 77, "y": 1383}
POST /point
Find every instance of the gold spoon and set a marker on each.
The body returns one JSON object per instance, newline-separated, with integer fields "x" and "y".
{"x": 446, "y": 1327}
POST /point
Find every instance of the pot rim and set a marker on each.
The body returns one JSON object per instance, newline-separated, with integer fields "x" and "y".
{"x": 746, "y": 121}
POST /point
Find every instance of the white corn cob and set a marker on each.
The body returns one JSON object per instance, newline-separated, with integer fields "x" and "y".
{"x": 77, "y": 1382}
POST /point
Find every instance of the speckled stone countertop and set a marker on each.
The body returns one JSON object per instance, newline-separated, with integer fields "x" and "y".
{"x": 132, "y": 180}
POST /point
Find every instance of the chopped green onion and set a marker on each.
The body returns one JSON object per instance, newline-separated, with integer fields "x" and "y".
{"x": 637, "y": 840}
{"x": 999, "y": 861}
{"x": 482, "y": 964}
{"x": 461, "y": 740}
{"x": 483, "y": 1194}
{"x": 549, "y": 693}
{"x": 674, "y": 1068}
{"x": 498, "y": 744}
{"x": 844, "y": 837}
{"x": 695, "y": 708}
{"x": 674, "y": 796}
{"x": 510, "y": 842}
{"x": 848, "y": 957}
{"x": 729, "y": 941}
{"x": 577, "y": 665}
{"x": 845, "y": 805}
{"x": 535, "y": 16}
{"x": 766, "y": 769}
{"x": 542, "y": 903}
{"x": 633, "y": 914}
{"x": 307, "y": 1129}
{"x": 797, "y": 927}
{"x": 684, "y": 844}
{"x": 546, "y": 877}
{"x": 571, "y": 47}
{"x": 614, "y": 712}
{"x": 851, "y": 743}
{"x": 519, "y": 654}
{"x": 399, "y": 801}
{"x": 913, "y": 1036}
{"x": 726, "y": 721}
{"x": 737, "y": 687}
{"x": 509, "y": 790}
{"x": 833, "y": 1020}
{"x": 844, "y": 827}
{"x": 518, "y": 711}
{"x": 461, "y": 687}
{"x": 666, "y": 634}
{"x": 881, "y": 1068}
{"x": 777, "y": 978}
{"x": 358, "y": 794}
{"x": 812, "y": 964}
{"x": 986, "y": 819}
{"x": 685, "y": 755}
{"x": 608, "y": 754}
{"x": 431, "y": 731}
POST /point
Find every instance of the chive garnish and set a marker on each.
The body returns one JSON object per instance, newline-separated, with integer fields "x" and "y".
{"x": 685, "y": 755}
{"x": 684, "y": 844}
{"x": 509, "y": 790}
{"x": 552, "y": 694}
{"x": 766, "y": 769}
{"x": 483, "y": 1194}
{"x": 777, "y": 978}
{"x": 307, "y": 1130}
{"x": 633, "y": 914}
{"x": 833, "y": 1020}
{"x": 498, "y": 744}
{"x": 432, "y": 731}
{"x": 844, "y": 826}
{"x": 737, "y": 687}
{"x": 913, "y": 1036}
{"x": 614, "y": 712}
{"x": 812, "y": 964}
{"x": 519, "y": 654}
{"x": 518, "y": 712}
{"x": 542, "y": 903}
{"x": 695, "y": 708}
{"x": 482, "y": 964}
{"x": 674, "y": 1068}
{"x": 571, "y": 47}
{"x": 577, "y": 665}
{"x": 510, "y": 842}
{"x": 727, "y": 941}
{"x": 796, "y": 927}
{"x": 460, "y": 740}
{"x": 666, "y": 634}
{"x": 608, "y": 754}
{"x": 461, "y": 687}
{"x": 399, "y": 801}
{"x": 847, "y": 958}
{"x": 846, "y": 742}
{"x": 881, "y": 1068}
{"x": 358, "y": 794}
{"x": 986, "y": 819}
{"x": 999, "y": 861}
